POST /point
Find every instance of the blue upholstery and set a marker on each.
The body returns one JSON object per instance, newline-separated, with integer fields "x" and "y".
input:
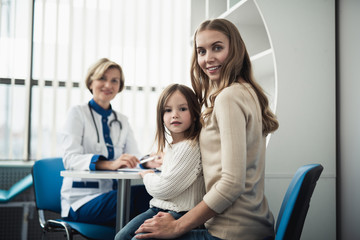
{"x": 47, "y": 183}
{"x": 47, "y": 186}
{"x": 296, "y": 202}
{"x": 16, "y": 189}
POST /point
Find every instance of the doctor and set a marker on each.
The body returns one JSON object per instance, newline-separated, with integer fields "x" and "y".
{"x": 95, "y": 137}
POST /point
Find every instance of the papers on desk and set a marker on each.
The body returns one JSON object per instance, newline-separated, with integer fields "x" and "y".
{"x": 131, "y": 169}
{"x": 136, "y": 169}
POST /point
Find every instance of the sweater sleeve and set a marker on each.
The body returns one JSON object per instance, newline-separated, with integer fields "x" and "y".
{"x": 182, "y": 169}
{"x": 231, "y": 115}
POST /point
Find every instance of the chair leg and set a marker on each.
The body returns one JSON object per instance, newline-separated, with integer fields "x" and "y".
{"x": 25, "y": 221}
{"x": 68, "y": 235}
{"x": 43, "y": 235}
{"x": 68, "y": 232}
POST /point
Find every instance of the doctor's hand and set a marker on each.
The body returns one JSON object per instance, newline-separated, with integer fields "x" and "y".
{"x": 126, "y": 160}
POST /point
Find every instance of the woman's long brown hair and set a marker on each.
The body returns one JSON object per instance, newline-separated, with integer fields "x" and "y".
{"x": 236, "y": 67}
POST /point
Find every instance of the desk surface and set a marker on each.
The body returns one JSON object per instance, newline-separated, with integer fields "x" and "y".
{"x": 101, "y": 174}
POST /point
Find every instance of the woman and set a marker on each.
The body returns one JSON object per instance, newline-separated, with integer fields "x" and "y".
{"x": 95, "y": 137}
{"x": 236, "y": 121}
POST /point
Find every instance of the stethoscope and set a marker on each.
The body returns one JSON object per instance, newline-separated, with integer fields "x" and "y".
{"x": 111, "y": 122}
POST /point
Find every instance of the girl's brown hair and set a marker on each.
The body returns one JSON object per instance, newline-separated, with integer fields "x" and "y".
{"x": 98, "y": 69}
{"x": 194, "y": 107}
{"x": 237, "y": 66}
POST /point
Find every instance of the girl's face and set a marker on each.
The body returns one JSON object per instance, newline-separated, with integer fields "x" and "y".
{"x": 105, "y": 89}
{"x": 177, "y": 116}
{"x": 212, "y": 49}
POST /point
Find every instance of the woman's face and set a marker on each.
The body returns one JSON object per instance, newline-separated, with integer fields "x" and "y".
{"x": 177, "y": 116}
{"x": 105, "y": 89}
{"x": 212, "y": 49}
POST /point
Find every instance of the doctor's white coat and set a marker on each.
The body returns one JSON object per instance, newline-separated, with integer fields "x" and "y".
{"x": 79, "y": 141}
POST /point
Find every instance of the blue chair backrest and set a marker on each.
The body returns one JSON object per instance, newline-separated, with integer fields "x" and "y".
{"x": 47, "y": 183}
{"x": 304, "y": 180}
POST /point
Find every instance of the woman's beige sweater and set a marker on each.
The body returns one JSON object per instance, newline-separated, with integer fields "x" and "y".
{"x": 233, "y": 156}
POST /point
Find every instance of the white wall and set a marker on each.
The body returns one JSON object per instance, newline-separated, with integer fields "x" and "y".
{"x": 303, "y": 37}
{"x": 349, "y": 109}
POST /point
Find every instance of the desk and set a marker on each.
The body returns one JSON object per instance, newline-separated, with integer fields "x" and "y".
{"x": 123, "y": 194}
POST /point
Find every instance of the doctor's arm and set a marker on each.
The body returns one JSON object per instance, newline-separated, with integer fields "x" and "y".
{"x": 125, "y": 160}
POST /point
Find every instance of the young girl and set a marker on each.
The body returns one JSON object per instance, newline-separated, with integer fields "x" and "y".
{"x": 237, "y": 119}
{"x": 180, "y": 185}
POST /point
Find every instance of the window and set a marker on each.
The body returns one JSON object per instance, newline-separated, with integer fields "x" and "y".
{"x": 47, "y": 46}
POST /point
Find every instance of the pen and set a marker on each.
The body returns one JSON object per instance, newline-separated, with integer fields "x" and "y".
{"x": 147, "y": 159}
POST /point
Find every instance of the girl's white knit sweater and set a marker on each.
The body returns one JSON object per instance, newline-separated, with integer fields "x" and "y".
{"x": 180, "y": 185}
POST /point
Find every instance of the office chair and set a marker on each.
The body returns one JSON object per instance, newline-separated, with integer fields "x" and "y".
{"x": 47, "y": 186}
{"x": 296, "y": 202}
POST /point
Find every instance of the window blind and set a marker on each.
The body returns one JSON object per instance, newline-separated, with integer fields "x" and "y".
{"x": 148, "y": 38}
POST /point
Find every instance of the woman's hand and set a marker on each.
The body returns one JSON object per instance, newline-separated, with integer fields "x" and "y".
{"x": 162, "y": 226}
{"x": 125, "y": 160}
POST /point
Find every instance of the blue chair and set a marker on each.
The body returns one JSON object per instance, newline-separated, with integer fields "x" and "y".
{"x": 16, "y": 189}
{"x": 47, "y": 186}
{"x": 296, "y": 202}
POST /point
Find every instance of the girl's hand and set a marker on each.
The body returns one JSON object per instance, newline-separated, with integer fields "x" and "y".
{"x": 143, "y": 173}
{"x": 157, "y": 162}
{"x": 162, "y": 225}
